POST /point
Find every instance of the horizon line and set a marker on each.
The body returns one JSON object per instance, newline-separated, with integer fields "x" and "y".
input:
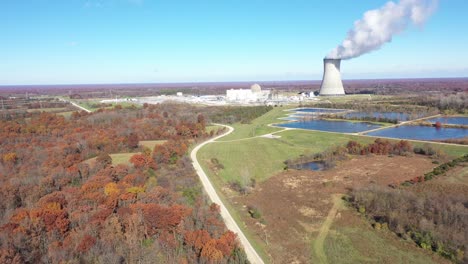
{"x": 226, "y": 82}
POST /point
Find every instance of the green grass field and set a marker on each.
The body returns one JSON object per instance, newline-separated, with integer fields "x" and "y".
{"x": 363, "y": 245}
{"x": 56, "y": 109}
{"x": 244, "y": 157}
{"x": 92, "y": 104}
{"x": 258, "y": 126}
{"x": 66, "y": 114}
{"x": 210, "y": 128}
{"x": 261, "y": 158}
{"x": 458, "y": 178}
{"x": 121, "y": 158}
{"x": 117, "y": 158}
{"x": 151, "y": 143}
{"x": 124, "y": 158}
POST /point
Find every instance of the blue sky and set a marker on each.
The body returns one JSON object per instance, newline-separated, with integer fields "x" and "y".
{"x": 142, "y": 41}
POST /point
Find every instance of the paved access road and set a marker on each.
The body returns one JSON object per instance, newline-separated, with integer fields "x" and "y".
{"x": 210, "y": 190}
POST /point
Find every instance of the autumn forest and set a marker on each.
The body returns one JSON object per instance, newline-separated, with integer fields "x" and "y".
{"x": 64, "y": 200}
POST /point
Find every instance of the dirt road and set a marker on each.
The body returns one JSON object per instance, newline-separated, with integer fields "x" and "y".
{"x": 75, "y": 105}
{"x": 80, "y": 107}
{"x": 323, "y": 232}
{"x": 228, "y": 220}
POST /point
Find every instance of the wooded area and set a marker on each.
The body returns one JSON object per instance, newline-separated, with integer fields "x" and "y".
{"x": 56, "y": 207}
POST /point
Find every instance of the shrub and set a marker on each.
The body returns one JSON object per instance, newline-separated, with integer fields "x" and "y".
{"x": 237, "y": 186}
{"x": 254, "y": 212}
{"x": 431, "y": 220}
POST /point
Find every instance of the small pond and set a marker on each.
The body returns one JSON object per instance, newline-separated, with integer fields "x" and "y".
{"x": 331, "y": 126}
{"x": 313, "y": 165}
{"x": 454, "y": 120}
{"x": 421, "y": 133}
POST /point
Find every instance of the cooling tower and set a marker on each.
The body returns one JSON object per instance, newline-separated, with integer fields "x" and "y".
{"x": 331, "y": 82}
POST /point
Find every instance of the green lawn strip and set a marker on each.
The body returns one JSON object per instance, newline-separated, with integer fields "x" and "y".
{"x": 93, "y": 105}
{"x": 87, "y": 104}
{"x": 258, "y": 126}
{"x": 67, "y": 114}
{"x": 318, "y": 242}
{"x": 210, "y": 128}
{"x": 151, "y": 143}
{"x": 54, "y": 109}
{"x": 454, "y": 151}
{"x": 121, "y": 158}
{"x": 362, "y": 245}
{"x": 117, "y": 158}
{"x": 457, "y": 178}
{"x": 218, "y": 184}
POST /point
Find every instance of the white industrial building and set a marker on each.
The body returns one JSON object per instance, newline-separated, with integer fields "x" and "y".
{"x": 254, "y": 94}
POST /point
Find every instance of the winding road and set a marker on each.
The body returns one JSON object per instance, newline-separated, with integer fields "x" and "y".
{"x": 252, "y": 255}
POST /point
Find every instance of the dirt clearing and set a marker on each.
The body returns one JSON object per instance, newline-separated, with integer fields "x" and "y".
{"x": 295, "y": 207}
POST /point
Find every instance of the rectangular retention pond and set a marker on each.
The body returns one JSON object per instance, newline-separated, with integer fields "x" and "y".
{"x": 421, "y": 133}
{"x": 331, "y": 126}
{"x": 387, "y": 115}
{"x": 453, "y": 120}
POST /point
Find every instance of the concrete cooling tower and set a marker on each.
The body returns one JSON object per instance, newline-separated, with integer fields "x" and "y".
{"x": 331, "y": 82}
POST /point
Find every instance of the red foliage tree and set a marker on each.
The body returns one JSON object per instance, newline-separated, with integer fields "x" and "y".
{"x": 133, "y": 140}
{"x": 165, "y": 218}
{"x": 210, "y": 252}
{"x": 86, "y": 243}
{"x": 142, "y": 161}
{"x": 227, "y": 242}
{"x": 103, "y": 159}
{"x": 197, "y": 239}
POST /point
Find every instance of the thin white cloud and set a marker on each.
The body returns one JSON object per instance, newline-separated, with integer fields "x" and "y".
{"x": 93, "y": 4}
{"x": 103, "y": 3}
{"x": 136, "y": 2}
{"x": 72, "y": 43}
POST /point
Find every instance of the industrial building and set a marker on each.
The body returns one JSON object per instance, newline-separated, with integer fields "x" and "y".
{"x": 254, "y": 94}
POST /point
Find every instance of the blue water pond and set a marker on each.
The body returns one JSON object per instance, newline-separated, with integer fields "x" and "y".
{"x": 454, "y": 120}
{"x": 421, "y": 133}
{"x": 314, "y": 166}
{"x": 331, "y": 126}
{"x": 387, "y": 115}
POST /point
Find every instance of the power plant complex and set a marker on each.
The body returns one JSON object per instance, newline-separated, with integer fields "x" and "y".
{"x": 331, "y": 82}
{"x": 254, "y": 94}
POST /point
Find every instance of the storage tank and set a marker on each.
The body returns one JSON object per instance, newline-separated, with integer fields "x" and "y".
{"x": 256, "y": 88}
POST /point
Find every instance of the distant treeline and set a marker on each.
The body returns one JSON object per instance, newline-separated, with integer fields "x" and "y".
{"x": 457, "y": 102}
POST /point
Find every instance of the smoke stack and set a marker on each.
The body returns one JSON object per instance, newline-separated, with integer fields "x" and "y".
{"x": 331, "y": 82}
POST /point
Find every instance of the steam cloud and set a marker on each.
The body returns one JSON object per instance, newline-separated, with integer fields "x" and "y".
{"x": 378, "y": 26}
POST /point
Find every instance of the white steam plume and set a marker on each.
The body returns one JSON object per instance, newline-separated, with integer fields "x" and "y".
{"x": 378, "y": 26}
